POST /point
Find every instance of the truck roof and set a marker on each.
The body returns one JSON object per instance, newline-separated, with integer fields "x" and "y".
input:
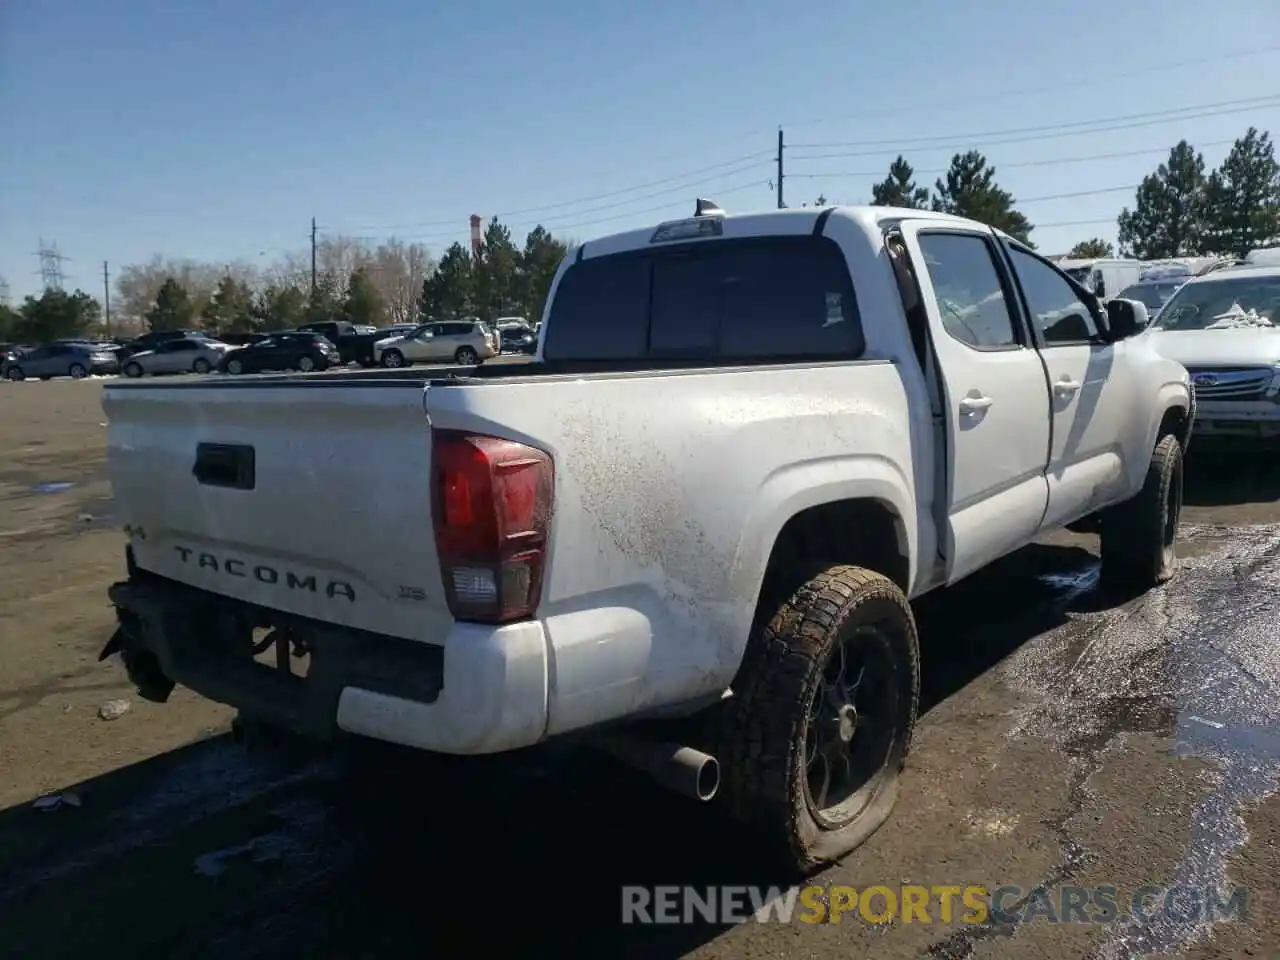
{"x": 769, "y": 223}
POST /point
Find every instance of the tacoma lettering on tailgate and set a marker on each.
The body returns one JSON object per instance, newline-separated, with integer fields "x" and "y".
{"x": 264, "y": 573}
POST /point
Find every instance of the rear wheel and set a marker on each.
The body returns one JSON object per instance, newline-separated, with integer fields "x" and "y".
{"x": 77, "y": 371}
{"x": 466, "y": 357}
{"x": 200, "y": 366}
{"x": 132, "y": 370}
{"x": 15, "y": 374}
{"x": 393, "y": 358}
{"x": 235, "y": 366}
{"x": 822, "y": 715}
{"x": 1139, "y": 536}
{"x": 306, "y": 364}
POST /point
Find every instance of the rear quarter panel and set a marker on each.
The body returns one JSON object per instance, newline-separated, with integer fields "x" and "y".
{"x": 670, "y": 491}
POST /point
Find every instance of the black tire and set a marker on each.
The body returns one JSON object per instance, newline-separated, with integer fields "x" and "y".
{"x": 766, "y": 750}
{"x": 1139, "y": 536}
{"x": 235, "y": 366}
{"x": 77, "y": 371}
{"x": 306, "y": 364}
{"x": 200, "y": 366}
{"x": 132, "y": 370}
{"x": 392, "y": 358}
{"x": 466, "y": 357}
{"x": 15, "y": 373}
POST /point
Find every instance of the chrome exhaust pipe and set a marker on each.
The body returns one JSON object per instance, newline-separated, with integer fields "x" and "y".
{"x": 684, "y": 770}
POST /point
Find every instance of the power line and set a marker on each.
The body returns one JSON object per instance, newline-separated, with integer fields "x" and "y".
{"x": 670, "y": 191}
{"x": 736, "y": 162}
{"x": 740, "y": 164}
{"x": 1054, "y": 162}
{"x": 923, "y": 142}
{"x": 757, "y": 184}
{"x": 903, "y": 146}
{"x": 1090, "y": 80}
{"x": 574, "y": 225}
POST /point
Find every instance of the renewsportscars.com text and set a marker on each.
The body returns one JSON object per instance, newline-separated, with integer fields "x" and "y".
{"x": 913, "y": 903}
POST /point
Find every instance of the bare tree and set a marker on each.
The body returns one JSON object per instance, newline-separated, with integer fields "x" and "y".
{"x": 138, "y": 284}
{"x": 398, "y": 270}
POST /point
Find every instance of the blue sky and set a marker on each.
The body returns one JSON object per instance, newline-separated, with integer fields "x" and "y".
{"x": 216, "y": 131}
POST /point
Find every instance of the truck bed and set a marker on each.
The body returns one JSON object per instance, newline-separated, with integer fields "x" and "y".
{"x": 665, "y": 498}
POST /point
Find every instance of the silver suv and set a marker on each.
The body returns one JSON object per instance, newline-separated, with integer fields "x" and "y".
{"x": 467, "y": 342}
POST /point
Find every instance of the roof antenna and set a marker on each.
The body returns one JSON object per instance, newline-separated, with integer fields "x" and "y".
{"x": 707, "y": 208}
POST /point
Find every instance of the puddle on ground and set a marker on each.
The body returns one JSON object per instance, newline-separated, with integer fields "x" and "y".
{"x": 1193, "y": 661}
{"x": 57, "y": 486}
{"x": 1072, "y": 581}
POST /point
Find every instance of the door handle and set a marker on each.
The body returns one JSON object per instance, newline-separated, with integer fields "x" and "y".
{"x": 974, "y": 405}
{"x": 1066, "y": 385}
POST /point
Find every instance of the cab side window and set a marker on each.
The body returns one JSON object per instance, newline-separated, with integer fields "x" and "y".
{"x": 1055, "y": 308}
{"x": 968, "y": 290}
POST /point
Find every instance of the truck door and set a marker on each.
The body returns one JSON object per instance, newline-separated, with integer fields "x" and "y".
{"x": 1091, "y": 402}
{"x": 996, "y": 399}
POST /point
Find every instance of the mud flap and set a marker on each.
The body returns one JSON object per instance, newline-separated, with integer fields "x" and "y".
{"x": 141, "y": 665}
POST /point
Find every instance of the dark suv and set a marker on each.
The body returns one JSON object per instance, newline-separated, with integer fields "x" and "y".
{"x": 290, "y": 350}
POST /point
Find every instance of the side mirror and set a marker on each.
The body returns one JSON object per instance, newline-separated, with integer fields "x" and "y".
{"x": 1126, "y": 318}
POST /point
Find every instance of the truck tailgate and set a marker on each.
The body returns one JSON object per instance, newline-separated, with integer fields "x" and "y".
{"x": 312, "y": 499}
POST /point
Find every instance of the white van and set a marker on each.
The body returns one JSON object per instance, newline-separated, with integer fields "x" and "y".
{"x": 1105, "y": 277}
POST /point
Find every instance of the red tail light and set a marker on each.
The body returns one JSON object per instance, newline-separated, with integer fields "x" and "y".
{"x": 491, "y": 503}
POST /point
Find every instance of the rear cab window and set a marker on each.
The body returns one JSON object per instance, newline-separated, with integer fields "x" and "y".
{"x": 767, "y": 299}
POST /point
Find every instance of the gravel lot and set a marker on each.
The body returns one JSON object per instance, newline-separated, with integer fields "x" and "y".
{"x": 1065, "y": 739}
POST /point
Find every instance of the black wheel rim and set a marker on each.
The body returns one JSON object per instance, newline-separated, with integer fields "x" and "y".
{"x": 851, "y": 727}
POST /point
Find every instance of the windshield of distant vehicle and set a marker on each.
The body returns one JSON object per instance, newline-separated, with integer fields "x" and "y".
{"x": 1153, "y": 296}
{"x": 1079, "y": 274}
{"x": 1223, "y": 304}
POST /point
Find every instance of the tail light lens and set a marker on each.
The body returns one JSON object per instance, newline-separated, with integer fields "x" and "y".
{"x": 491, "y": 505}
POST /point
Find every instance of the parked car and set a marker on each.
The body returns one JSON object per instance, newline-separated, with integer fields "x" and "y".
{"x": 353, "y": 345}
{"x": 468, "y": 342}
{"x": 713, "y": 507}
{"x": 293, "y": 350}
{"x": 518, "y": 339}
{"x": 187, "y": 355}
{"x": 66, "y": 359}
{"x": 150, "y": 340}
{"x": 9, "y": 354}
{"x": 1224, "y": 327}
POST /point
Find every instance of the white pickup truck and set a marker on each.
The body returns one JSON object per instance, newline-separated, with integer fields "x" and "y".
{"x": 746, "y": 443}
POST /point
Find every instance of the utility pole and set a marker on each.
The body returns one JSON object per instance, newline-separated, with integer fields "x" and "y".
{"x": 781, "y": 205}
{"x": 313, "y": 258}
{"x": 106, "y": 296}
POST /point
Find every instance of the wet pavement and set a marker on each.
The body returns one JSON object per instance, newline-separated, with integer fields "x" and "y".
{"x": 1066, "y": 738}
